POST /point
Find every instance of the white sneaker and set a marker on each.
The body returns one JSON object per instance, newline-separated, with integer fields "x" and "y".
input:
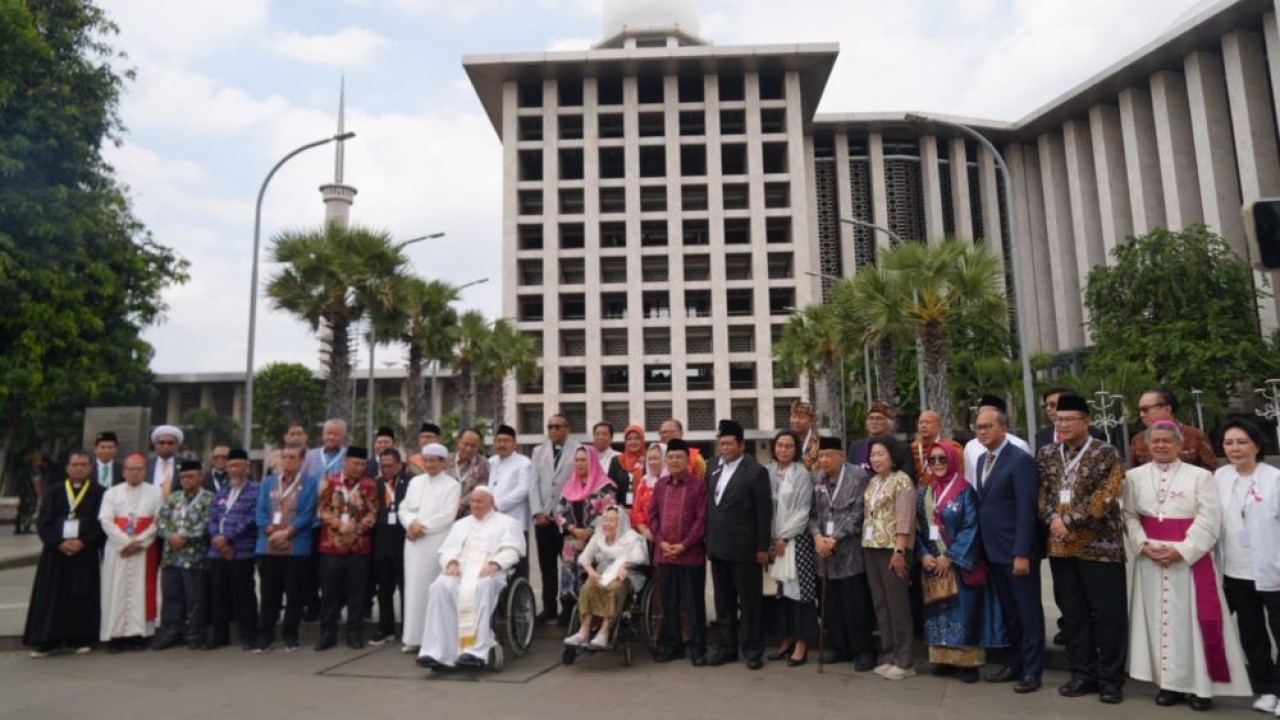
{"x": 1266, "y": 703}
{"x": 38, "y": 654}
{"x": 600, "y": 641}
{"x": 575, "y": 640}
{"x": 409, "y": 649}
{"x": 896, "y": 673}
{"x": 881, "y": 669}
{"x": 84, "y": 650}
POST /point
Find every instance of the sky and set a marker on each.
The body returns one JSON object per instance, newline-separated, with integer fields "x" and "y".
{"x": 224, "y": 88}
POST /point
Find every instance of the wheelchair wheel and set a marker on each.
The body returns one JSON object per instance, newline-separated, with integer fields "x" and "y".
{"x": 569, "y": 655}
{"x": 496, "y": 658}
{"x": 651, "y": 610}
{"x": 519, "y": 618}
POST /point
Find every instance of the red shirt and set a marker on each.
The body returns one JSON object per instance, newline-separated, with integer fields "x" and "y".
{"x": 678, "y": 515}
{"x": 358, "y": 502}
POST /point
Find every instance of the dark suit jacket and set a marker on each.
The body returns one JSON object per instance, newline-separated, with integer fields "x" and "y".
{"x": 740, "y": 525}
{"x": 1008, "y": 512}
{"x": 1044, "y": 436}
{"x": 858, "y": 453}
{"x": 207, "y": 482}
{"x": 622, "y": 479}
{"x": 117, "y": 472}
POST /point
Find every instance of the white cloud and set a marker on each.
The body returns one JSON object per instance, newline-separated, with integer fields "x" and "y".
{"x": 349, "y": 46}
{"x": 186, "y": 28}
{"x": 171, "y": 97}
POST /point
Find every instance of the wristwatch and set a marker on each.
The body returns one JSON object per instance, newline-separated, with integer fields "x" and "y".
{"x": 899, "y": 551}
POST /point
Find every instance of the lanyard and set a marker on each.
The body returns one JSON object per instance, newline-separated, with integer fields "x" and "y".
{"x": 938, "y": 498}
{"x": 284, "y": 493}
{"x": 1070, "y": 467}
{"x": 232, "y": 496}
{"x": 1248, "y": 492}
{"x": 75, "y": 500}
{"x": 329, "y": 464}
{"x": 186, "y": 506}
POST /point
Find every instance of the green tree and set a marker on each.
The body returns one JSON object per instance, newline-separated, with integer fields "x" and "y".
{"x": 1182, "y": 306}
{"x": 873, "y": 305}
{"x": 285, "y": 393}
{"x": 425, "y": 321}
{"x": 80, "y": 277}
{"x": 471, "y": 342}
{"x": 203, "y": 428}
{"x": 507, "y": 352}
{"x": 331, "y": 279}
{"x": 812, "y": 345}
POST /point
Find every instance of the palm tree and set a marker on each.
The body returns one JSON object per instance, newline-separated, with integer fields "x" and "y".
{"x": 472, "y": 339}
{"x": 426, "y": 324}
{"x": 206, "y": 427}
{"x": 874, "y": 305}
{"x": 331, "y": 279}
{"x": 508, "y": 351}
{"x": 812, "y": 344}
{"x": 942, "y": 286}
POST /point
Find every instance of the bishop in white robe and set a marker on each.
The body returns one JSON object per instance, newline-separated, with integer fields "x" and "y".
{"x": 130, "y": 558}
{"x": 1179, "y": 638}
{"x": 428, "y": 511}
{"x": 477, "y": 558}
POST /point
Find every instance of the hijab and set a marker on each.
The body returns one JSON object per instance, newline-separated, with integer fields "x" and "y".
{"x": 634, "y": 463}
{"x": 955, "y": 468}
{"x": 574, "y": 491}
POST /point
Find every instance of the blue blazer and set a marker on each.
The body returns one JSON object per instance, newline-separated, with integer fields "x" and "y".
{"x": 302, "y": 522}
{"x": 1008, "y": 515}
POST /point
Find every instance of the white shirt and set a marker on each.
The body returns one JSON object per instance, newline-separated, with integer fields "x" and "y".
{"x": 1261, "y": 520}
{"x": 974, "y": 451}
{"x": 509, "y": 481}
{"x": 726, "y": 472}
{"x": 607, "y": 457}
{"x": 160, "y": 475}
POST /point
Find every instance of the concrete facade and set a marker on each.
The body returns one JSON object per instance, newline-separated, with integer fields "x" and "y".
{"x": 655, "y": 246}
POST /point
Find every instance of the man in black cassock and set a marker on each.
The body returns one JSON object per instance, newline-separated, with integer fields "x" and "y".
{"x": 65, "y": 601}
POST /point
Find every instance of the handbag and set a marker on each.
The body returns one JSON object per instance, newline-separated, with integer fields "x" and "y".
{"x": 977, "y": 577}
{"x": 938, "y": 587}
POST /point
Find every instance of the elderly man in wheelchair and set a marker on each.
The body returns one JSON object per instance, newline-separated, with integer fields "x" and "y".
{"x": 477, "y": 558}
{"x": 610, "y": 557}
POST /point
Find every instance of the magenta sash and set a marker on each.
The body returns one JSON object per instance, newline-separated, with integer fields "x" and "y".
{"x": 1204, "y": 580}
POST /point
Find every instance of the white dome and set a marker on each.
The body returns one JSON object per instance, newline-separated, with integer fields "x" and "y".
{"x": 633, "y": 15}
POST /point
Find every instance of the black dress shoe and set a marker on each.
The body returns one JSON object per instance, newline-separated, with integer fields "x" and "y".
{"x": 1076, "y": 688}
{"x": 166, "y": 643}
{"x": 793, "y": 662}
{"x": 722, "y": 658}
{"x": 1111, "y": 695}
{"x": 666, "y": 656}
{"x": 782, "y": 654}
{"x": 355, "y": 642}
{"x": 1060, "y": 638}
{"x": 969, "y": 676}
{"x": 1027, "y": 684}
{"x": 1169, "y": 698}
{"x": 114, "y": 648}
{"x": 864, "y": 662}
{"x": 698, "y": 661}
{"x": 941, "y": 670}
{"x": 325, "y": 642}
{"x": 831, "y": 657}
{"x": 470, "y": 662}
{"x": 755, "y": 663}
{"x": 1003, "y": 675}
{"x": 1199, "y": 703}
{"x": 426, "y": 661}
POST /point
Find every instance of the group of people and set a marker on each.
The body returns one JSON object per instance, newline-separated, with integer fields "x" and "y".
{"x": 823, "y": 545}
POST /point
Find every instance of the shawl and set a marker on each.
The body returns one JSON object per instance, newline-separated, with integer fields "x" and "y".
{"x": 574, "y": 490}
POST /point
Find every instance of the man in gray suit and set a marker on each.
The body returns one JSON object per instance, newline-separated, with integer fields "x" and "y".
{"x": 836, "y": 525}
{"x": 552, "y": 463}
{"x": 327, "y": 459}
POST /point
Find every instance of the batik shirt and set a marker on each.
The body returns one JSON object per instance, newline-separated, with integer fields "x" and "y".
{"x": 188, "y": 517}
{"x": 1087, "y": 499}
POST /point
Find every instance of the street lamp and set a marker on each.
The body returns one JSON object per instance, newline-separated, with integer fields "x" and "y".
{"x": 1019, "y": 301}
{"x": 253, "y": 278}
{"x": 368, "y": 416}
{"x": 915, "y": 297}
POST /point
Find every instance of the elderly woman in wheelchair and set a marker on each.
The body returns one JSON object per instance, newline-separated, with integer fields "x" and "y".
{"x": 613, "y": 552}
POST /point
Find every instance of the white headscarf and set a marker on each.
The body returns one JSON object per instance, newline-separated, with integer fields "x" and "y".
{"x": 170, "y": 430}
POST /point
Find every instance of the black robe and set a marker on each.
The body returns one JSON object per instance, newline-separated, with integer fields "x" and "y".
{"x": 65, "y": 601}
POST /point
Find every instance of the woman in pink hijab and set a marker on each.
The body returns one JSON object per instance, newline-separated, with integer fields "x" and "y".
{"x": 586, "y": 495}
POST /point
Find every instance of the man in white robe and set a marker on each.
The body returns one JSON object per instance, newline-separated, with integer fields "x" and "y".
{"x": 128, "y": 517}
{"x": 427, "y": 512}
{"x": 1179, "y": 638}
{"x": 509, "y": 480}
{"x": 477, "y": 558}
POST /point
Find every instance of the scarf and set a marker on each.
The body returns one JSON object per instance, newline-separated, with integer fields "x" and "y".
{"x": 574, "y": 490}
{"x": 634, "y": 462}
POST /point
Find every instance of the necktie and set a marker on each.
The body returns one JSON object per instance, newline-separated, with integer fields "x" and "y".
{"x": 555, "y": 451}
{"x": 104, "y": 475}
{"x": 987, "y": 462}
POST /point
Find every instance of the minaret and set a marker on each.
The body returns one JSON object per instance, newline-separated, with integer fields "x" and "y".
{"x": 338, "y": 196}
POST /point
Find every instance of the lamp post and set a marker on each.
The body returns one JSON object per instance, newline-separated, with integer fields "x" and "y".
{"x": 1199, "y": 407}
{"x": 1103, "y": 404}
{"x": 915, "y": 297}
{"x": 1015, "y": 252}
{"x": 368, "y": 415}
{"x": 253, "y": 278}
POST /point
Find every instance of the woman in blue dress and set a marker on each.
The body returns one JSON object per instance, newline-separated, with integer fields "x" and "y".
{"x": 959, "y": 628}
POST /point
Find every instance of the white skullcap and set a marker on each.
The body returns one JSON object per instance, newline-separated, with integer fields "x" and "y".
{"x": 435, "y": 450}
{"x": 170, "y": 430}
{"x": 483, "y": 489}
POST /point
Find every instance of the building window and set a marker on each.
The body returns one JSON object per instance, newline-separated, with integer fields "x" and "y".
{"x": 777, "y": 195}
{"x": 650, "y": 88}
{"x": 655, "y": 413}
{"x": 697, "y": 268}
{"x": 695, "y": 232}
{"x": 573, "y": 271}
{"x": 529, "y": 237}
{"x": 693, "y": 123}
{"x": 733, "y": 159}
{"x": 742, "y": 338}
{"x": 653, "y": 161}
{"x": 653, "y": 233}
{"x": 571, "y": 163}
{"x": 530, "y": 128}
{"x": 570, "y": 127}
{"x": 653, "y": 198}
{"x": 657, "y": 377}
{"x": 572, "y": 201}
{"x": 529, "y": 272}
{"x": 774, "y": 157}
{"x": 744, "y": 413}
{"x": 573, "y": 380}
{"x": 530, "y": 165}
{"x": 773, "y": 120}
{"x": 529, "y": 93}
{"x": 653, "y": 268}
{"x": 576, "y": 414}
{"x": 693, "y": 198}
{"x": 657, "y": 304}
{"x": 733, "y": 122}
{"x": 692, "y": 88}
{"x": 613, "y": 341}
{"x": 652, "y": 124}
{"x": 738, "y": 303}
{"x": 732, "y": 87}
{"x": 697, "y": 303}
{"x": 693, "y": 160}
{"x": 573, "y": 343}
{"x": 702, "y": 415}
{"x": 737, "y": 267}
{"x": 697, "y": 340}
{"x": 617, "y": 414}
{"x": 613, "y": 234}
{"x": 657, "y": 341}
{"x": 613, "y": 306}
{"x": 780, "y": 266}
{"x": 613, "y": 270}
{"x": 737, "y": 231}
{"x": 531, "y": 418}
{"x": 737, "y": 196}
{"x": 777, "y": 230}
{"x": 614, "y": 378}
{"x": 570, "y": 92}
{"x": 573, "y": 236}
{"x": 700, "y": 376}
{"x": 611, "y": 126}
{"x": 573, "y": 307}
{"x": 530, "y": 308}
{"x": 529, "y": 201}
{"x": 613, "y": 200}
{"x": 772, "y": 85}
{"x": 782, "y": 301}
{"x": 742, "y": 376}
{"x": 609, "y": 89}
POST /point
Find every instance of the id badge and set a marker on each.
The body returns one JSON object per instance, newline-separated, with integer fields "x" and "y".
{"x": 1064, "y": 497}
{"x": 831, "y": 528}
{"x": 277, "y": 517}
{"x": 630, "y": 499}
{"x": 346, "y": 518}
{"x": 934, "y": 533}
{"x": 70, "y": 529}
{"x": 1244, "y": 539}
{"x": 392, "y": 518}
{"x": 868, "y": 533}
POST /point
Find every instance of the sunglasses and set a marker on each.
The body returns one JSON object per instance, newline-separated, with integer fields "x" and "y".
{"x": 938, "y": 460}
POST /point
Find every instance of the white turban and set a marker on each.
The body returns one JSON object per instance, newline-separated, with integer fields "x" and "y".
{"x": 170, "y": 430}
{"x": 435, "y": 450}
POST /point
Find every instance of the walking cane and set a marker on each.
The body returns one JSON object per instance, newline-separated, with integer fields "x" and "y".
{"x": 822, "y": 619}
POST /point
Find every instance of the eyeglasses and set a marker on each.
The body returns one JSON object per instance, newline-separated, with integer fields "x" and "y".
{"x": 556, "y": 426}
{"x": 1144, "y": 409}
{"x": 938, "y": 460}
